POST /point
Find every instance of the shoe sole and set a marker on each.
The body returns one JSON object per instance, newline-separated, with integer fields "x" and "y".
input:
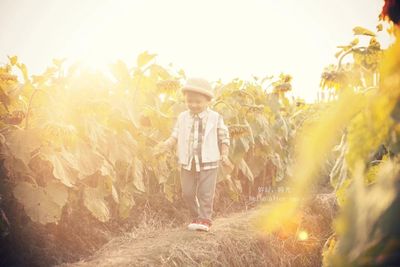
{"x": 193, "y": 226}
{"x": 198, "y": 227}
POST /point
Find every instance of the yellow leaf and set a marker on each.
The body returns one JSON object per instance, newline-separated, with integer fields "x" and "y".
{"x": 120, "y": 71}
{"x": 362, "y": 31}
{"x": 58, "y": 62}
{"x": 126, "y": 202}
{"x": 136, "y": 168}
{"x": 158, "y": 71}
{"x": 88, "y": 160}
{"x": 96, "y": 204}
{"x": 244, "y": 168}
{"x": 144, "y": 58}
{"x": 22, "y": 142}
{"x": 337, "y": 55}
{"x": 13, "y": 60}
{"x": 355, "y": 42}
{"x": 42, "y": 204}
{"x": 114, "y": 194}
{"x": 58, "y": 192}
{"x": 63, "y": 170}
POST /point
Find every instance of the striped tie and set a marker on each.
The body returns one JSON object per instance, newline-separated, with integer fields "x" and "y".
{"x": 198, "y": 129}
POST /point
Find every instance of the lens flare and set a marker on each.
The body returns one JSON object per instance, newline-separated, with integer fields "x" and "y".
{"x": 302, "y": 235}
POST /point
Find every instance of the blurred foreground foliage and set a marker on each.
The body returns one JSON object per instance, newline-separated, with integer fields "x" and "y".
{"x": 361, "y": 126}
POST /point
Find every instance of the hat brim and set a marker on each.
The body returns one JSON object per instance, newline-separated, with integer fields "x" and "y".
{"x": 197, "y": 90}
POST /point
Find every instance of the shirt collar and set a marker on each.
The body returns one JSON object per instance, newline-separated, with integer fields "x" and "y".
{"x": 201, "y": 114}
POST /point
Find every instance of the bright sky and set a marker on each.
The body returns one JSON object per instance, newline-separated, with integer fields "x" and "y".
{"x": 210, "y": 38}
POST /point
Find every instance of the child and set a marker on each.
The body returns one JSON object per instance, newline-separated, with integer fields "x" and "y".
{"x": 202, "y": 141}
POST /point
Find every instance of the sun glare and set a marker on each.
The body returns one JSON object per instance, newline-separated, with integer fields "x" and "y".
{"x": 302, "y": 235}
{"x": 258, "y": 38}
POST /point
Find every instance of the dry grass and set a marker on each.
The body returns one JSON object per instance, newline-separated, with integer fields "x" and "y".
{"x": 232, "y": 241}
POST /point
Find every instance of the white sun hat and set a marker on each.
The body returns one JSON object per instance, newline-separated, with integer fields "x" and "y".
{"x": 198, "y": 85}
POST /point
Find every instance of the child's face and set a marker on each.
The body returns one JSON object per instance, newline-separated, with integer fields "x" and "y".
{"x": 196, "y": 102}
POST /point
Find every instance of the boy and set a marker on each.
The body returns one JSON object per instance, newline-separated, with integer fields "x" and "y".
{"x": 202, "y": 141}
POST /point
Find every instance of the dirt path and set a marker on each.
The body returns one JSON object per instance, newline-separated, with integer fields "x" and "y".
{"x": 232, "y": 241}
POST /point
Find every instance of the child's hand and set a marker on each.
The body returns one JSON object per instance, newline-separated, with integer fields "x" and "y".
{"x": 226, "y": 164}
{"x": 159, "y": 149}
{"x": 225, "y": 160}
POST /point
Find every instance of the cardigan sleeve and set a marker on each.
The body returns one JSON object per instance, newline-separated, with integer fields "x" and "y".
{"x": 175, "y": 130}
{"x": 223, "y": 131}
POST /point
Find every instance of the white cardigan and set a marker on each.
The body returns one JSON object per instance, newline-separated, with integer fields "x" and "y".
{"x": 210, "y": 150}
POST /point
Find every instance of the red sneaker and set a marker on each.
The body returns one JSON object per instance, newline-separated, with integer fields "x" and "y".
{"x": 204, "y": 225}
{"x": 194, "y": 224}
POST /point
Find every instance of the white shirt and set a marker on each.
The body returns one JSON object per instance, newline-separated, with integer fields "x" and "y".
{"x": 214, "y": 133}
